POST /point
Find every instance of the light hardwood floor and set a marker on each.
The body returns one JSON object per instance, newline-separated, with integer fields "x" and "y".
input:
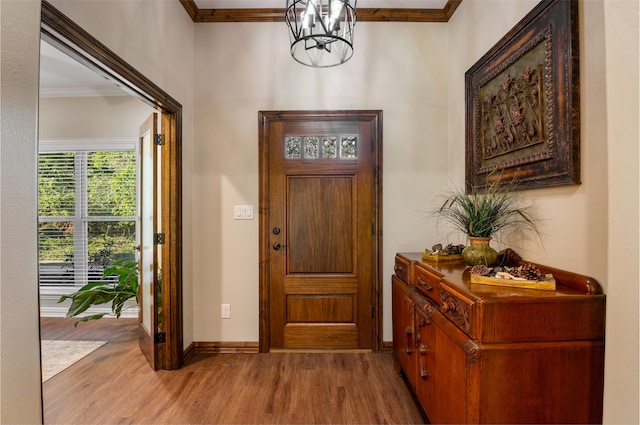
{"x": 115, "y": 385}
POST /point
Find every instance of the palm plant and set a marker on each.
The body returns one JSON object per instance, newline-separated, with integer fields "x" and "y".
{"x": 96, "y": 293}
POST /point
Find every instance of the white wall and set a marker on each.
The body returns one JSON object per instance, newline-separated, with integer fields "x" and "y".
{"x": 20, "y": 389}
{"x": 245, "y": 68}
{"x": 621, "y": 387}
{"x": 109, "y": 117}
{"x": 591, "y": 228}
{"x": 568, "y": 213}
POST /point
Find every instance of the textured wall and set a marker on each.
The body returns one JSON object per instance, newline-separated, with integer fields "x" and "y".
{"x": 20, "y": 389}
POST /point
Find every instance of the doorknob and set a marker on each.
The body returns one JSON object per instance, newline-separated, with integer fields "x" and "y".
{"x": 276, "y": 246}
{"x": 276, "y": 230}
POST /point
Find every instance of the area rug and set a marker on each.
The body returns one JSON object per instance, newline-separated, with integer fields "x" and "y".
{"x": 57, "y": 355}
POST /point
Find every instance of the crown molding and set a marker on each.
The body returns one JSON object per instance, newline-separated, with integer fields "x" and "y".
{"x": 277, "y": 15}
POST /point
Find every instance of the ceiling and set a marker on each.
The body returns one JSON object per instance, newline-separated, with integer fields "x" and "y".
{"x": 267, "y": 4}
{"x": 62, "y": 76}
{"x": 274, "y": 10}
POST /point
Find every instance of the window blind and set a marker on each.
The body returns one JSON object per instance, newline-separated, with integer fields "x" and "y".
{"x": 87, "y": 214}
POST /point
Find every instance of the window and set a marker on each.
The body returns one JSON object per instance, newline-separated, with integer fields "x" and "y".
{"x": 87, "y": 210}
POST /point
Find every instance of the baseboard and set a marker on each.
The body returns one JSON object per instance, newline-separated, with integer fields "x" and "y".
{"x": 188, "y": 353}
{"x": 206, "y": 347}
{"x": 216, "y": 347}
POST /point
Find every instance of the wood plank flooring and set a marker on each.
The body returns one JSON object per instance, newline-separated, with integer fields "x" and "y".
{"x": 115, "y": 385}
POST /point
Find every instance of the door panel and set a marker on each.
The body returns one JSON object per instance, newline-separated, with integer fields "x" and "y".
{"x": 149, "y": 214}
{"x": 320, "y": 227}
{"x": 334, "y": 336}
{"x": 321, "y": 308}
{"x": 319, "y": 233}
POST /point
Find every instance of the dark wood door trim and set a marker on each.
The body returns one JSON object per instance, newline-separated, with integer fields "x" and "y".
{"x": 265, "y": 119}
{"x": 66, "y": 35}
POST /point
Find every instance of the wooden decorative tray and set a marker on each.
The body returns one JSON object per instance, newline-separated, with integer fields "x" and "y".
{"x": 547, "y": 285}
{"x": 440, "y": 257}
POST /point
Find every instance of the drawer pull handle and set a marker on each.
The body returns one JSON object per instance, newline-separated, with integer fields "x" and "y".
{"x": 408, "y": 339}
{"x": 424, "y": 374}
{"x": 425, "y": 285}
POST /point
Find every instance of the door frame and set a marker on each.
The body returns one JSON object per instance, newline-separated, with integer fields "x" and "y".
{"x": 265, "y": 118}
{"x": 61, "y": 32}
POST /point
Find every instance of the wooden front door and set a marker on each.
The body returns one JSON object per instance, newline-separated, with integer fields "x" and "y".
{"x": 320, "y": 230}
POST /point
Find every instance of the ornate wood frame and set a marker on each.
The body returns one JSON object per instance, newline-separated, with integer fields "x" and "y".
{"x": 523, "y": 105}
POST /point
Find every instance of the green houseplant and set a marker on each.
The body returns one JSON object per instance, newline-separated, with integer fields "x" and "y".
{"x": 480, "y": 213}
{"x": 96, "y": 293}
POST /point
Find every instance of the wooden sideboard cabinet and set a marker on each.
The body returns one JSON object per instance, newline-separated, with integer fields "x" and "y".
{"x": 488, "y": 354}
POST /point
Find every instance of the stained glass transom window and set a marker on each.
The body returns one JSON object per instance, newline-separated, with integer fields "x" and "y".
{"x": 349, "y": 147}
{"x": 293, "y": 147}
{"x": 316, "y": 147}
{"x": 312, "y": 147}
{"x": 329, "y": 147}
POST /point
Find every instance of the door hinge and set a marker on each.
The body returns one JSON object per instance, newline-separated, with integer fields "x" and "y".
{"x": 159, "y": 139}
{"x": 158, "y": 238}
{"x": 159, "y": 337}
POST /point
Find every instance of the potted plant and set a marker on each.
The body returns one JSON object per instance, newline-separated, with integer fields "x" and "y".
{"x": 96, "y": 293}
{"x": 480, "y": 213}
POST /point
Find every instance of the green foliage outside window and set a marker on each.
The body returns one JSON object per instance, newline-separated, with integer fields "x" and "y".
{"x": 110, "y": 192}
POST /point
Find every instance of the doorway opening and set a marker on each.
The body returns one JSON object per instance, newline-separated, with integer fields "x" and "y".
{"x": 63, "y": 34}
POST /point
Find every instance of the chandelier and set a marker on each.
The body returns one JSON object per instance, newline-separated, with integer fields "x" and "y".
{"x": 321, "y": 31}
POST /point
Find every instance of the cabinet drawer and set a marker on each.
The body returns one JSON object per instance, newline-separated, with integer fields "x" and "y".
{"x": 401, "y": 269}
{"x": 459, "y": 309}
{"x": 427, "y": 283}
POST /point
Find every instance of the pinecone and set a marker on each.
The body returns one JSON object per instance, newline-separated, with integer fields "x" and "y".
{"x": 453, "y": 249}
{"x": 527, "y": 271}
{"x": 481, "y": 270}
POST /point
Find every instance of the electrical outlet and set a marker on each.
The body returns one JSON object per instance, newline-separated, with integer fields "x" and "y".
{"x": 225, "y": 311}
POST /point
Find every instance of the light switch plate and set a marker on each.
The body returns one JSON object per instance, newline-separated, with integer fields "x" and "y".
{"x": 225, "y": 311}
{"x": 243, "y": 212}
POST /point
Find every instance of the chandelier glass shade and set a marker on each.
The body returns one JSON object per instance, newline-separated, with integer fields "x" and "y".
{"x": 321, "y": 31}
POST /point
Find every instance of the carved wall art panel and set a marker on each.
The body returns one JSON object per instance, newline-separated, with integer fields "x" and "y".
{"x": 522, "y": 103}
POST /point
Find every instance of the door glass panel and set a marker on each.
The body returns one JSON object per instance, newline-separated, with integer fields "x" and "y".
{"x": 329, "y": 147}
{"x": 159, "y": 247}
{"x": 147, "y": 231}
{"x": 293, "y": 147}
{"x": 349, "y": 147}
{"x": 312, "y": 147}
